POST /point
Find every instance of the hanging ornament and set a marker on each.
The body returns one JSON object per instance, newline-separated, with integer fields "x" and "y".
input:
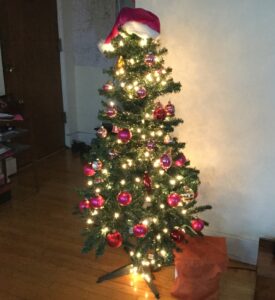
{"x": 173, "y": 199}
{"x": 124, "y": 135}
{"x": 167, "y": 139}
{"x": 159, "y": 112}
{"x": 124, "y": 198}
{"x": 115, "y": 129}
{"x": 177, "y": 235}
{"x": 165, "y": 161}
{"x": 97, "y": 165}
{"x": 120, "y": 62}
{"x": 114, "y": 239}
{"x": 113, "y": 154}
{"x": 111, "y": 111}
{"x": 88, "y": 170}
{"x": 84, "y": 204}
{"x": 140, "y": 230}
{"x": 107, "y": 87}
{"x": 141, "y": 92}
{"x": 97, "y": 201}
{"x": 151, "y": 145}
{"x": 197, "y": 224}
{"x": 102, "y": 132}
{"x": 170, "y": 109}
{"x": 147, "y": 181}
{"x": 189, "y": 193}
{"x": 180, "y": 160}
{"x": 149, "y": 59}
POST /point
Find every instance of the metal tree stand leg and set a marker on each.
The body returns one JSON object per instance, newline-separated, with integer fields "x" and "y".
{"x": 125, "y": 270}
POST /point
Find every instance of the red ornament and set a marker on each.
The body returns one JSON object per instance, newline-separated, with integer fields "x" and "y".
{"x": 88, "y": 170}
{"x": 114, "y": 239}
{"x": 141, "y": 92}
{"x": 97, "y": 201}
{"x": 177, "y": 235}
{"x": 140, "y": 230}
{"x": 97, "y": 165}
{"x": 149, "y": 59}
{"x": 124, "y": 135}
{"x": 102, "y": 132}
{"x": 197, "y": 224}
{"x": 111, "y": 111}
{"x": 147, "y": 181}
{"x": 124, "y": 198}
{"x": 173, "y": 199}
{"x": 151, "y": 145}
{"x": 170, "y": 109}
{"x": 181, "y": 160}
{"x": 165, "y": 161}
{"x": 159, "y": 113}
{"x": 107, "y": 87}
{"x": 84, "y": 204}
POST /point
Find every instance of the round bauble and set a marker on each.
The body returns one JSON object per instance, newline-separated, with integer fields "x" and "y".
{"x": 140, "y": 230}
{"x": 102, "y": 132}
{"x": 170, "y": 109}
{"x": 88, "y": 170}
{"x": 180, "y": 160}
{"x": 107, "y": 87}
{"x": 141, "y": 92}
{"x": 159, "y": 113}
{"x": 124, "y": 198}
{"x": 197, "y": 225}
{"x": 84, "y": 204}
{"x": 124, "y": 135}
{"x": 97, "y": 201}
{"x": 149, "y": 59}
{"x": 165, "y": 161}
{"x": 111, "y": 111}
{"x": 114, "y": 239}
{"x": 151, "y": 145}
{"x": 173, "y": 199}
{"x": 177, "y": 235}
{"x": 97, "y": 165}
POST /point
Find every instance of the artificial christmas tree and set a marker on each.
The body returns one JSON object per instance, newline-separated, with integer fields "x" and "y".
{"x": 141, "y": 192}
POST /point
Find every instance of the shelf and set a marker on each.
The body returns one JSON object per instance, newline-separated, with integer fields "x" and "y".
{"x": 5, "y": 136}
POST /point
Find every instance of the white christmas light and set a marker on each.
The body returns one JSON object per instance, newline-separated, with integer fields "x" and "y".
{"x": 97, "y": 190}
{"x": 147, "y": 116}
{"x": 163, "y": 252}
{"x": 111, "y": 103}
{"x": 121, "y": 43}
{"x": 148, "y": 199}
{"x": 184, "y": 211}
{"x": 165, "y": 230}
{"x": 179, "y": 177}
{"x": 135, "y": 83}
{"x": 172, "y": 181}
{"x": 139, "y": 130}
{"x": 132, "y": 253}
{"x": 104, "y": 171}
{"x": 104, "y": 230}
{"x": 124, "y": 166}
{"x": 138, "y": 255}
{"x": 162, "y": 206}
{"x": 146, "y": 154}
{"x": 143, "y": 136}
{"x": 161, "y": 172}
{"x": 116, "y": 215}
{"x": 158, "y": 237}
{"x": 90, "y": 221}
{"x": 90, "y": 182}
{"x": 145, "y": 222}
{"x": 137, "y": 179}
{"x": 143, "y": 42}
{"x": 94, "y": 213}
{"x": 157, "y": 186}
{"x": 122, "y": 84}
{"x": 152, "y": 133}
{"x": 132, "y": 61}
{"x": 122, "y": 182}
{"x": 159, "y": 133}
{"x": 163, "y": 82}
{"x": 155, "y": 220}
{"x": 129, "y": 87}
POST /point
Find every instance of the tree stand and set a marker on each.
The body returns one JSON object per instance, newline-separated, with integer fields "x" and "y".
{"x": 125, "y": 270}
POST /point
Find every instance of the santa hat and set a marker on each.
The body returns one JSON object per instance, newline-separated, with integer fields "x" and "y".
{"x": 133, "y": 20}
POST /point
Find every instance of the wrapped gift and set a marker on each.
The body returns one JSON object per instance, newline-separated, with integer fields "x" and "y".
{"x": 198, "y": 268}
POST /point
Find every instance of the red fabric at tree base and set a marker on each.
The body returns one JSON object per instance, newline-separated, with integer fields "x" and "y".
{"x": 199, "y": 267}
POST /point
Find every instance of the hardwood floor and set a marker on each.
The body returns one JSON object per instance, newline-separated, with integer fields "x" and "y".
{"x": 40, "y": 246}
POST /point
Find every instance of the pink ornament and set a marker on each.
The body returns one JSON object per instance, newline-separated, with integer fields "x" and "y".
{"x": 149, "y": 59}
{"x": 197, "y": 224}
{"x": 102, "y": 132}
{"x": 88, "y": 170}
{"x": 97, "y": 165}
{"x": 111, "y": 111}
{"x": 181, "y": 160}
{"x": 124, "y": 198}
{"x": 114, "y": 239}
{"x": 170, "y": 109}
{"x": 84, "y": 204}
{"x": 140, "y": 230}
{"x": 165, "y": 161}
{"x": 151, "y": 145}
{"x": 141, "y": 93}
{"x": 115, "y": 129}
{"x": 124, "y": 135}
{"x": 173, "y": 199}
{"x": 97, "y": 201}
{"x": 107, "y": 87}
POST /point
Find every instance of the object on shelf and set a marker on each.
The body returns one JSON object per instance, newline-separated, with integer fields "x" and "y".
{"x": 4, "y": 149}
{"x": 11, "y": 166}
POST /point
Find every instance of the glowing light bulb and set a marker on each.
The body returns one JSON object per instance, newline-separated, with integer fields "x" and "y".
{"x": 179, "y": 177}
{"x": 129, "y": 87}
{"x": 97, "y": 190}
{"x": 122, "y": 84}
{"x": 132, "y": 61}
{"x": 156, "y": 163}
{"x": 94, "y": 213}
{"x": 130, "y": 96}
{"x": 148, "y": 199}
{"x": 184, "y": 211}
{"x": 161, "y": 172}
{"x": 104, "y": 171}
{"x": 165, "y": 230}
{"x": 163, "y": 82}
{"x": 172, "y": 181}
{"x": 155, "y": 220}
{"x": 122, "y": 182}
{"x": 146, "y": 154}
{"x": 157, "y": 186}
{"x": 147, "y": 116}
{"x": 145, "y": 222}
{"x": 162, "y": 206}
{"x": 138, "y": 255}
{"x": 132, "y": 253}
{"x": 90, "y": 221}
{"x": 158, "y": 237}
{"x": 135, "y": 83}
{"x": 163, "y": 252}
{"x": 124, "y": 166}
{"x": 159, "y": 133}
{"x": 139, "y": 130}
{"x": 90, "y": 182}
{"x": 121, "y": 71}
{"x": 152, "y": 133}
{"x": 143, "y": 42}
{"x": 143, "y": 136}
{"x": 119, "y": 141}
{"x": 137, "y": 179}
{"x": 104, "y": 230}
{"x": 116, "y": 215}
{"x": 121, "y": 43}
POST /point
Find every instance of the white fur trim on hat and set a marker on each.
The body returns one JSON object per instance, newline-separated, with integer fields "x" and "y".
{"x": 142, "y": 30}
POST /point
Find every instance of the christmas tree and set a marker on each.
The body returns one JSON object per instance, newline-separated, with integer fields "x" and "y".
{"x": 141, "y": 192}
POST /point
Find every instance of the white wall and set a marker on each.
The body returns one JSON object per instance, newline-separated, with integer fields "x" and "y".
{"x": 223, "y": 52}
